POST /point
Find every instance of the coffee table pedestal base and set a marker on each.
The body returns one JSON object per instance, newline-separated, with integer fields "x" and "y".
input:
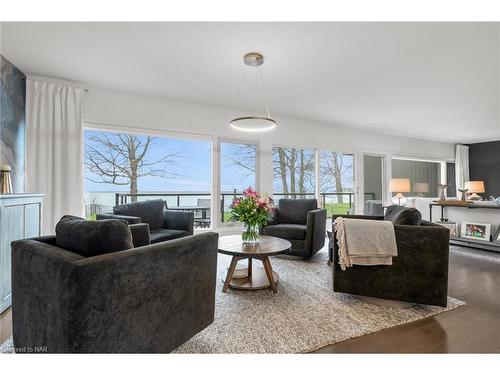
{"x": 257, "y": 281}
{"x": 257, "y": 278}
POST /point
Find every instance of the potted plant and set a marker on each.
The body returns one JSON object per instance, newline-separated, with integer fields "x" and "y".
{"x": 253, "y": 211}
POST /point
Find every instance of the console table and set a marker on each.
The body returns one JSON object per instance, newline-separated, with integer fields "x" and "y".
{"x": 20, "y": 217}
{"x": 477, "y": 244}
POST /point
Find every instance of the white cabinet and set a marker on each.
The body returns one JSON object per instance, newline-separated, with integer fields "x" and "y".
{"x": 20, "y": 217}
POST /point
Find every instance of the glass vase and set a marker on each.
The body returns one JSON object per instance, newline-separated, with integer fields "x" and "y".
{"x": 250, "y": 233}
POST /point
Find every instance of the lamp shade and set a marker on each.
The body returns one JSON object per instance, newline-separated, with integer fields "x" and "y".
{"x": 421, "y": 187}
{"x": 399, "y": 185}
{"x": 474, "y": 186}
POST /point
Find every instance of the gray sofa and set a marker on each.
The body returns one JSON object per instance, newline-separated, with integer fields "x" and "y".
{"x": 301, "y": 222}
{"x": 164, "y": 225}
{"x": 148, "y": 299}
{"x": 418, "y": 274}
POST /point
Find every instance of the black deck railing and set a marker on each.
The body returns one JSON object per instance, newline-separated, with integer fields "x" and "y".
{"x": 124, "y": 198}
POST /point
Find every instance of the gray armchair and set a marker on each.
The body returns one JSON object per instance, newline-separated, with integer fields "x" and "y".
{"x": 164, "y": 225}
{"x": 149, "y": 299}
{"x": 419, "y": 272}
{"x": 301, "y": 222}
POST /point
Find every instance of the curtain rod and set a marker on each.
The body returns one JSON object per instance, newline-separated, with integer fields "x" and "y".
{"x": 56, "y": 81}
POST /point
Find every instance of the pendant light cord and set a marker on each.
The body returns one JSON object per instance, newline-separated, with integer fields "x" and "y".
{"x": 264, "y": 94}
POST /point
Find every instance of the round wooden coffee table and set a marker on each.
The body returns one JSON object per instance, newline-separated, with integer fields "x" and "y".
{"x": 256, "y": 277}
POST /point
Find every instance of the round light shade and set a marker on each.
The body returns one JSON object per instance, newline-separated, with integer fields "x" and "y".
{"x": 474, "y": 186}
{"x": 253, "y": 124}
{"x": 400, "y": 185}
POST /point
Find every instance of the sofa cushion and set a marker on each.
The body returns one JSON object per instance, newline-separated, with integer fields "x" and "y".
{"x": 400, "y": 215}
{"x": 286, "y": 231}
{"x": 90, "y": 238}
{"x": 150, "y": 212}
{"x": 294, "y": 211}
{"x": 160, "y": 235}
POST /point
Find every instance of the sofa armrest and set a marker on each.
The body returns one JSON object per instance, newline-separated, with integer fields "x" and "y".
{"x": 140, "y": 234}
{"x": 148, "y": 299}
{"x": 44, "y": 298}
{"x": 128, "y": 219}
{"x": 180, "y": 220}
{"x": 315, "y": 230}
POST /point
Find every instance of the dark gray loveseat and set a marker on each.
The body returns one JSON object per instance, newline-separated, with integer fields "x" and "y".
{"x": 148, "y": 299}
{"x": 301, "y": 222}
{"x": 418, "y": 274}
{"x": 164, "y": 225}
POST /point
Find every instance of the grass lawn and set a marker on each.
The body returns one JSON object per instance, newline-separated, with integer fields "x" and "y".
{"x": 336, "y": 208}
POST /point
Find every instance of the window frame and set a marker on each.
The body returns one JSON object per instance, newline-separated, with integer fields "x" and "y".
{"x": 114, "y": 128}
{"x": 354, "y": 175}
{"x": 218, "y": 161}
{"x": 442, "y": 170}
{"x": 316, "y": 165}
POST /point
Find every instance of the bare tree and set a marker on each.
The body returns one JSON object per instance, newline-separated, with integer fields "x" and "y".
{"x": 244, "y": 156}
{"x": 295, "y": 169}
{"x": 120, "y": 159}
{"x": 334, "y": 165}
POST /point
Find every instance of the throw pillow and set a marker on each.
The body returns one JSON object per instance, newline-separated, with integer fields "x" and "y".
{"x": 90, "y": 238}
{"x": 400, "y": 215}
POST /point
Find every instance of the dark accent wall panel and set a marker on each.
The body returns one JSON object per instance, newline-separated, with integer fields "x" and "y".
{"x": 12, "y": 125}
{"x": 484, "y": 164}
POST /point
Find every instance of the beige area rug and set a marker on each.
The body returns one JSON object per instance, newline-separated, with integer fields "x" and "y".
{"x": 303, "y": 316}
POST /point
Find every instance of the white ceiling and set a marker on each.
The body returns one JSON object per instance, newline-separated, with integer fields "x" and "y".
{"x": 436, "y": 81}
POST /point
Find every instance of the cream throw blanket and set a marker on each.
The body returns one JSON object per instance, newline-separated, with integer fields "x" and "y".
{"x": 365, "y": 242}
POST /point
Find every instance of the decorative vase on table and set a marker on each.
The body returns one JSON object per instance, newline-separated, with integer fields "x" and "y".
{"x": 253, "y": 211}
{"x": 250, "y": 233}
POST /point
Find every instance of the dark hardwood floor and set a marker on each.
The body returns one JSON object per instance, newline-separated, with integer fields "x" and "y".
{"x": 474, "y": 328}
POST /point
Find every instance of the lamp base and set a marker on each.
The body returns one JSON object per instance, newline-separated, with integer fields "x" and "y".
{"x": 399, "y": 197}
{"x": 475, "y": 197}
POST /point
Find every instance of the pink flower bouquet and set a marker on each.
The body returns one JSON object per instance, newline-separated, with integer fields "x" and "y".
{"x": 253, "y": 211}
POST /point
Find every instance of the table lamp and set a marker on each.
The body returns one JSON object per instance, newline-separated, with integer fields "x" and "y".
{"x": 5, "y": 180}
{"x": 474, "y": 187}
{"x": 399, "y": 186}
{"x": 421, "y": 188}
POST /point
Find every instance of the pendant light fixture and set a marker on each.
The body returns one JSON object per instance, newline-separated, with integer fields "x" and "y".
{"x": 259, "y": 122}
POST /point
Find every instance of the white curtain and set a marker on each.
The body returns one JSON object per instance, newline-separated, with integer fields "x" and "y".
{"x": 461, "y": 166}
{"x": 54, "y": 161}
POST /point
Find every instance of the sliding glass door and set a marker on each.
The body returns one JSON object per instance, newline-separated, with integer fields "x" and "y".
{"x": 373, "y": 166}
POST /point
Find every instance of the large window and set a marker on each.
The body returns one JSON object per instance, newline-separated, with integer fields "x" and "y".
{"x": 336, "y": 177}
{"x": 293, "y": 173}
{"x": 424, "y": 176}
{"x": 142, "y": 167}
{"x": 238, "y": 162}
